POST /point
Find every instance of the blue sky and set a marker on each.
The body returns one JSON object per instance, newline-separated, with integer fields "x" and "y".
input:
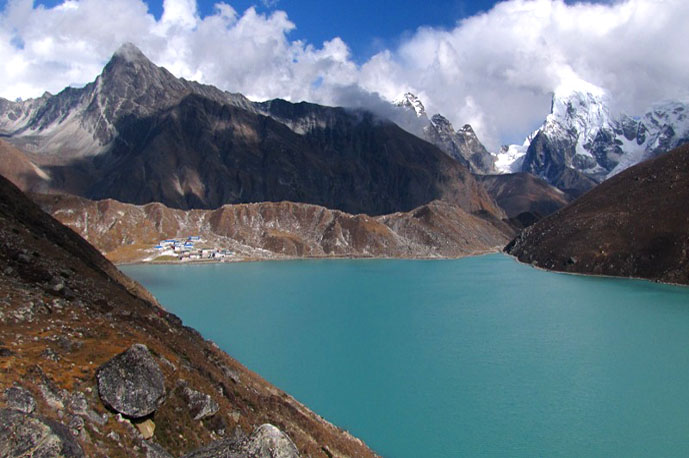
{"x": 492, "y": 65}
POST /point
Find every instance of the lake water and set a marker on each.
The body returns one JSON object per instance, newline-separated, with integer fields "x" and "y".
{"x": 472, "y": 357}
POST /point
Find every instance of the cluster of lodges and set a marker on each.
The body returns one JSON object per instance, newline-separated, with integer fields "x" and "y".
{"x": 184, "y": 249}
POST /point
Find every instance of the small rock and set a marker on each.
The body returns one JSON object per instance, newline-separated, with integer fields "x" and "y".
{"x": 132, "y": 383}
{"x": 23, "y": 434}
{"x": 77, "y": 403}
{"x": 77, "y": 424}
{"x": 266, "y": 441}
{"x": 200, "y": 405}
{"x": 146, "y": 428}
{"x": 154, "y": 450}
{"x": 20, "y": 399}
{"x": 50, "y": 354}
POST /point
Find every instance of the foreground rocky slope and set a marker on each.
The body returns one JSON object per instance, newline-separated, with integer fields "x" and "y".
{"x": 92, "y": 366}
{"x": 127, "y": 233}
{"x": 635, "y": 224}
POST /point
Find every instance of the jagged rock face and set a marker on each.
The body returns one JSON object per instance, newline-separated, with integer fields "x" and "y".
{"x": 59, "y": 341}
{"x": 462, "y": 145}
{"x": 127, "y": 233}
{"x": 138, "y": 134}
{"x": 581, "y": 139}
{"x": 132, "y": 383}
{"x": 634, "y": 224}
{"x": 82, "y": 122}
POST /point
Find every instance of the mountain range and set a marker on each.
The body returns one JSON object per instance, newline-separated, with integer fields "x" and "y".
{"x": 583, "y": 142}
{"x": 137, "y": 134}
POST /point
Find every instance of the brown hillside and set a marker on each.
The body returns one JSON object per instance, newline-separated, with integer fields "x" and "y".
{"x": 635, "y": 224}
{"x": 65, "y": 311}
{"x": 268, "y": 230}
{"x": 523, "y": 195}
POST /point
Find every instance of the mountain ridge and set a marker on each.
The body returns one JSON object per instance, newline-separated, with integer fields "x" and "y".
{"x": 140, "y": 135}
{"x": 634, "y": 224}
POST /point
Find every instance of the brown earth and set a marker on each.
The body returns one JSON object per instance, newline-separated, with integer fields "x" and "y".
{"x": 19, "y": 169}
{"x": 636, "y": 224}
{"x": 65, "y": 310}
{"x": 269, "y": 230}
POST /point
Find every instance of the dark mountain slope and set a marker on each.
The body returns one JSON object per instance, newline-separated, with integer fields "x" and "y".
{"x": 65, "y": 311}
{"x": 203, "y": 154}
{"x": 635, "y": 224}
{"x": 524, "y": 197}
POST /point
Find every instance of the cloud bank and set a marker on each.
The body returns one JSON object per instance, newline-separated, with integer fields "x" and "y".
{"x": 495, "y": 70}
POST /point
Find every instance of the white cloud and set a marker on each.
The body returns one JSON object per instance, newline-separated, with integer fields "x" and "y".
{"x": 495, "y": 70}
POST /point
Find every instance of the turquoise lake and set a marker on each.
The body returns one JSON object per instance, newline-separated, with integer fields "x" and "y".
{"x": 472, "y": 357}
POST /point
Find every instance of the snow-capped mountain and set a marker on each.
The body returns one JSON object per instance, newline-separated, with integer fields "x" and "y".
{"x": 411, "y": 102}
{"x": 463, "y": 145}
{"x": 582, "y": 139}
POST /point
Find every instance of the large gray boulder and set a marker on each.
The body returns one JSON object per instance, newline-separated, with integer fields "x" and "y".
{"x": 23, "y": 434}
{"x": 266, "y": 441}
{"x": 132, "y": 383}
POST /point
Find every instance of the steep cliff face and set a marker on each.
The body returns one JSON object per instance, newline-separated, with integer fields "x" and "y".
{"x": 66, "y": 313}
{"x": 635, "y": 224}
{"x": 267, "y": 230}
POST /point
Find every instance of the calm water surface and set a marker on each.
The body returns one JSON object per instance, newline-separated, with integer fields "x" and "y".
{"x": 473, "y": 357}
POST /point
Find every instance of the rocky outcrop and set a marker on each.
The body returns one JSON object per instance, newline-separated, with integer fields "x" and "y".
{"x": 23, "y": 434}
{"x": 633, "y": 225}
{"x": 266, "y": 441}
{"x": 462, "y": 145}
{"x": 280, "y": 230}
{"x": 53, "y": 344}
{"x": 132, "y": 383}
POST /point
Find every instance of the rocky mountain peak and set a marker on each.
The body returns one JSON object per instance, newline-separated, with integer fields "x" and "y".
{"x": 442, "y": 124}
{"x": 467, "y": 130}
{"x": 411, "y": 102}
{"x": 129, "y": 52}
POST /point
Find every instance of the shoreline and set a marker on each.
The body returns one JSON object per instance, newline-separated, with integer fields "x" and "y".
{"x": 496, "y": 250}
{"x": 580, "y": 274}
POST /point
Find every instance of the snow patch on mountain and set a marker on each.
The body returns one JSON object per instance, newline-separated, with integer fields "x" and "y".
{"x": 592, "y": 139}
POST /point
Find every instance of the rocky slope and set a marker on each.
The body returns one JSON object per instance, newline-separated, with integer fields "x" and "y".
{"x": 524, "y": 197}
{"x": 635, "y": 224}
{"x": 581, "y": 142}
{"x": 92, "y": 366}
{"x": 128, "y": 233}
{"x": 138, "y": 134}
{"x": 462, "y": 145}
